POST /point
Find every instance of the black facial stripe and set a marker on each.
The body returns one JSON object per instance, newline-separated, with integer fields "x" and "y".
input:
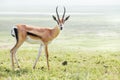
{"x": 32, "y": 34}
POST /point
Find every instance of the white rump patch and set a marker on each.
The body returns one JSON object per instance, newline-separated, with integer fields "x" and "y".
{"x": 12, "y": 30}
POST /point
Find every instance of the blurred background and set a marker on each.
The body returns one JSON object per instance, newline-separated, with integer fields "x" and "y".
{"x": 94, "y": 24}
{"x": 89, "y": 41}
{"x": 73, "y": 6}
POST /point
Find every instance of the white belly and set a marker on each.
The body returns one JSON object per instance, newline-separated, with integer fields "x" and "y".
{"x": 33, "y": 41}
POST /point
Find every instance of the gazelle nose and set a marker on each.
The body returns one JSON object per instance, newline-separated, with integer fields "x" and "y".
{"x": 61, "y": 28}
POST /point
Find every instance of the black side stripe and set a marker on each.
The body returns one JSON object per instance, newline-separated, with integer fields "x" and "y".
{"x": 32, "y": 34}
{"x": 16, "y": 33}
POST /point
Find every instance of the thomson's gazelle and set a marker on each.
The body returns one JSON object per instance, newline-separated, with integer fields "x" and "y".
{"x": 37, "y": 35}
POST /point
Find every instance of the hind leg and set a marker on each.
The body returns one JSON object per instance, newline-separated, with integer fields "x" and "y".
{"x": 20, "y": 38}
{"x": 13, "y": 54}
{"x": 16, "y": 60}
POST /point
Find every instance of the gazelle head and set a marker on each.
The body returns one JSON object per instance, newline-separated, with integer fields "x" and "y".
{"x": 61, "y": 21}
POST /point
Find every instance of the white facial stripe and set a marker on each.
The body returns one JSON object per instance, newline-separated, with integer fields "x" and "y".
{"x": 61, "y": 25}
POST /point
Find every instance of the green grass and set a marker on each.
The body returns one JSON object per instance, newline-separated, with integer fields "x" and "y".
{"x": 92, "y": 53}
{"x": 82, "y": 65}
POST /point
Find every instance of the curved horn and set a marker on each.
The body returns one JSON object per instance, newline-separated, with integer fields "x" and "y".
{"x": 64, "y": 13}
{"x": 57, "y": 13}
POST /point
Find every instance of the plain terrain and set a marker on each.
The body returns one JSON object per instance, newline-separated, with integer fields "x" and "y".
{"x": 89, "y": 43}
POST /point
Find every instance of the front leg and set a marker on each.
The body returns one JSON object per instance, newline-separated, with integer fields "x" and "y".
{"x": 47, "y": 55}
{"x": 40, "y": 50}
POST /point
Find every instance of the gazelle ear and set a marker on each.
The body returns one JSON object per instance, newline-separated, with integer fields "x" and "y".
{"x": 55, "y": 19}
{"x": 67, "y": 18}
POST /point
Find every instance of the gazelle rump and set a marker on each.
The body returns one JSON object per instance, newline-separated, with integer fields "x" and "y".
{"x": 37, "y": 35}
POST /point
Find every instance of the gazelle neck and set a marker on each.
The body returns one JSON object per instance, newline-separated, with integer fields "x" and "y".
{"x": 55, "y": 31}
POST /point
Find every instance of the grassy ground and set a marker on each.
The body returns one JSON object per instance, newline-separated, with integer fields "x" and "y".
{"x": 89, "y": 44}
